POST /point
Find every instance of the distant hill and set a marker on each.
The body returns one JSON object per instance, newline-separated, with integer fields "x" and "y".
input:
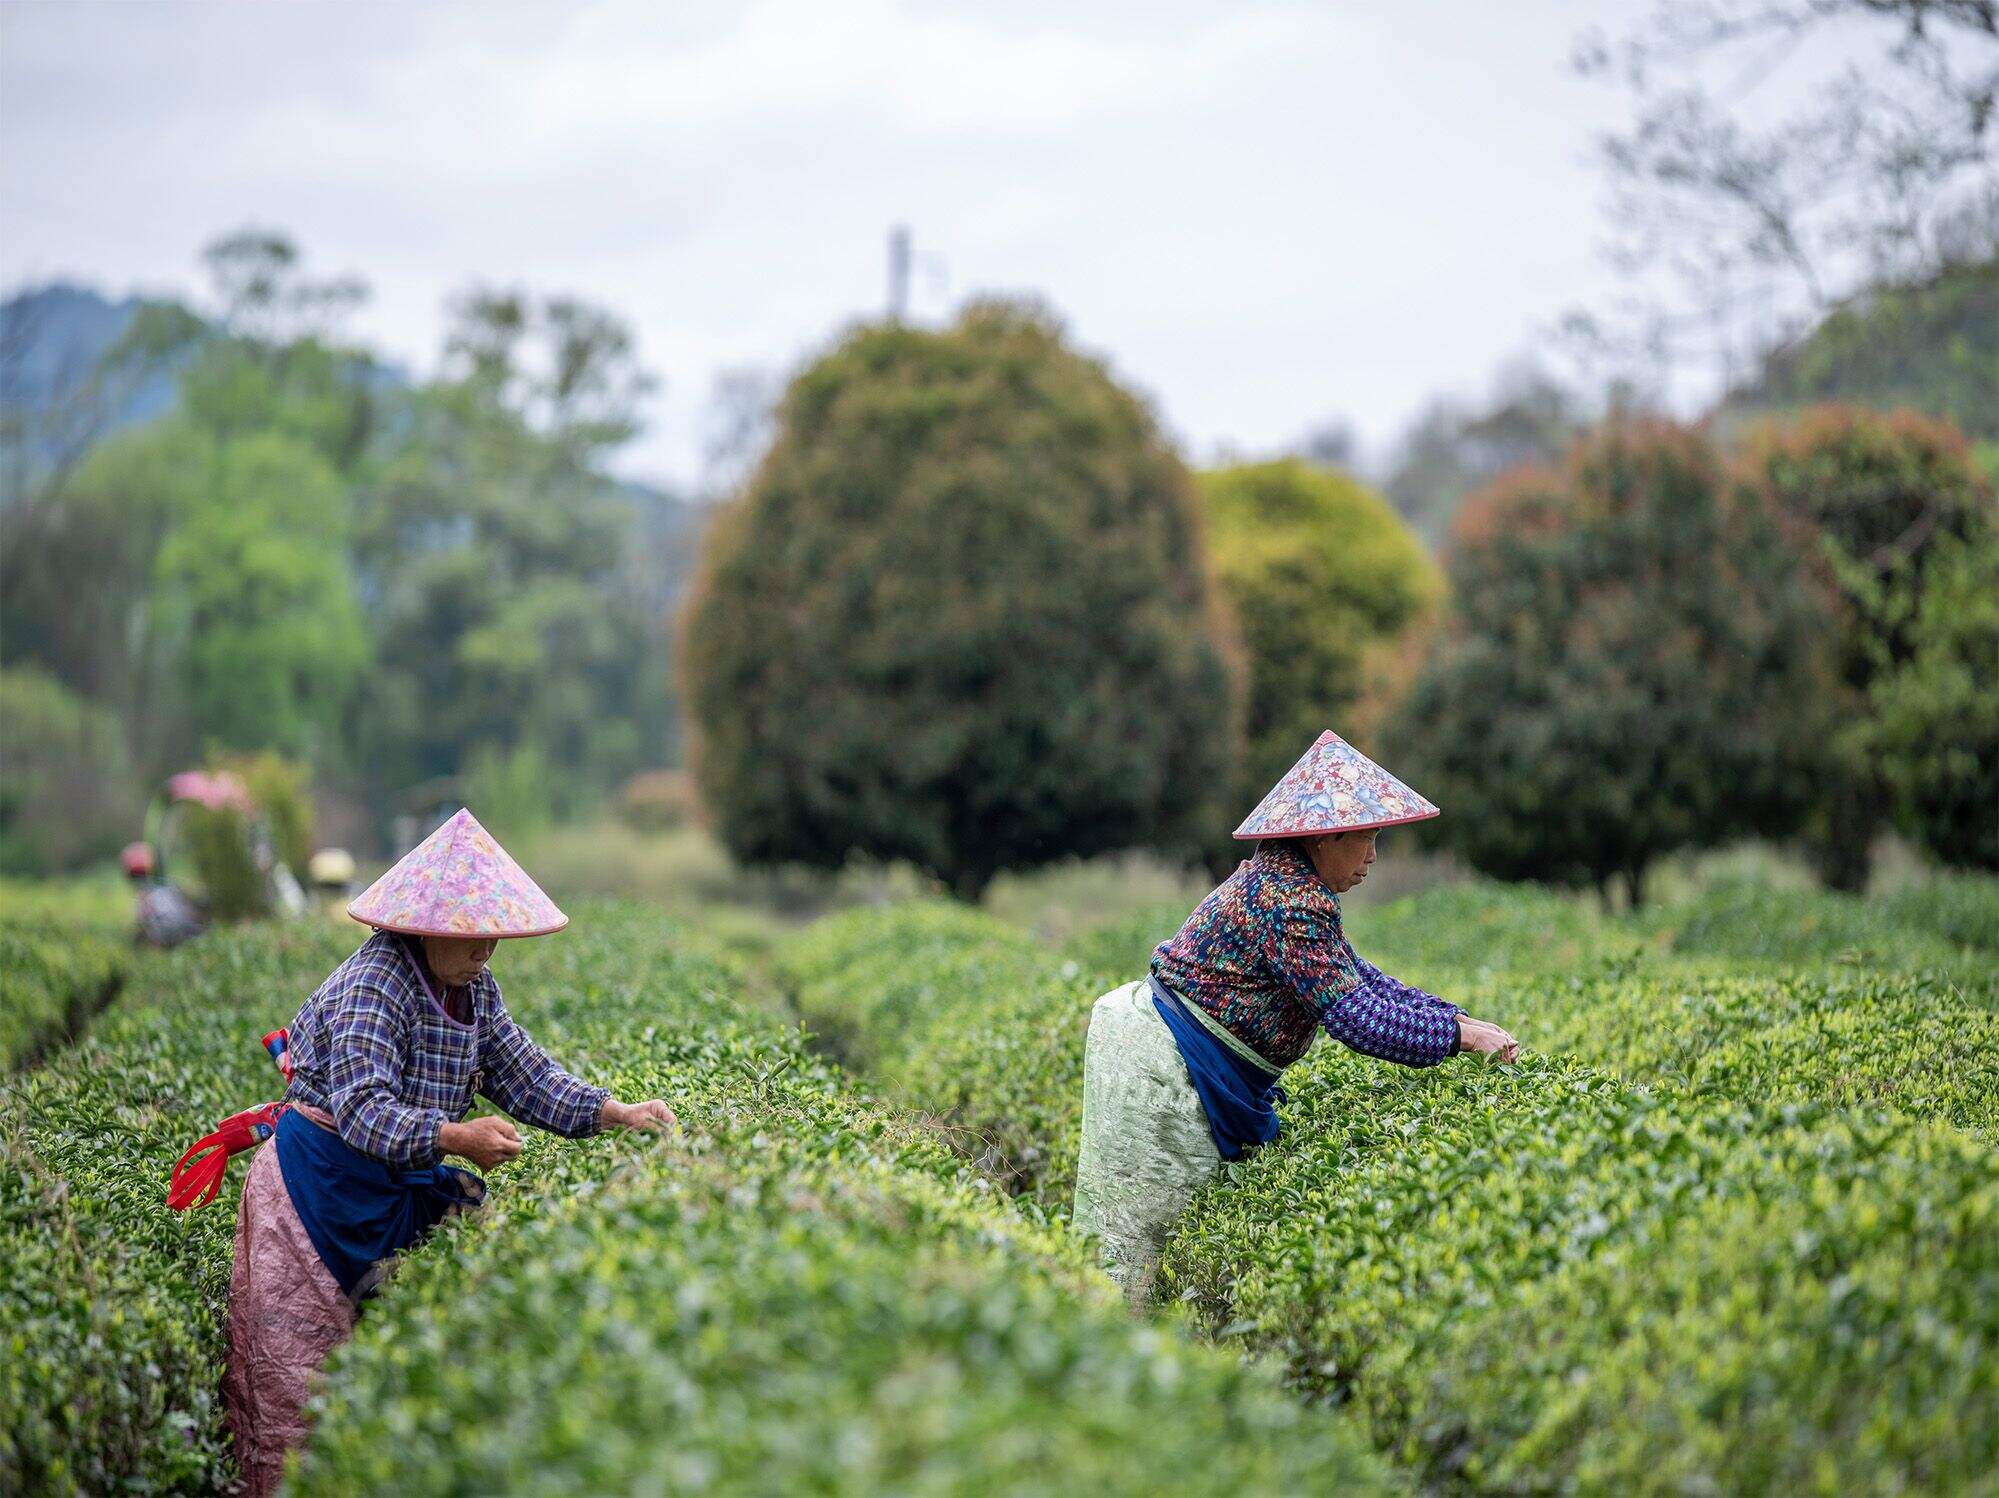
{"x": 1933, "y": 346}
{"x": 51, "y": 341}
{"x": 54, "y": 398}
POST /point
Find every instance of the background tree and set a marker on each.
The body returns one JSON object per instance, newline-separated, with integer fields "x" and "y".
{"x": 961, "y": 615}
{"x": 254, "y": 601}
{"x": 1452, "y": 449}
{"x": 514, "y": 635}
{"x": 1320, "y": 573}
{"x": 1634, "y": 664}
{"x": 1938, "y": 711}
{"x": 1882, "y": 173}
{"x": 67, "y": 791}
{"x": 1875, "y": 496}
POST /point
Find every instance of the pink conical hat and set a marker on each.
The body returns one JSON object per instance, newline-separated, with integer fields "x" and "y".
{"x": 1334, "y": 788}
{"x": 458, "y": 882}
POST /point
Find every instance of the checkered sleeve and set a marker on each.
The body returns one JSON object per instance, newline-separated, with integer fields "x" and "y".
{"x": 1363, "y": 1013}
{"x": 366, "y": 1026}
{"x": 522, "y": 1079}
{"x": 1371, "y": 974}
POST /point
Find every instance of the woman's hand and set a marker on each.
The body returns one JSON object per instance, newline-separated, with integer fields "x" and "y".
{"x": 486, "y": 1142}
{"x": 1486, "y": 1039}
{"x": 654, "y": 1116}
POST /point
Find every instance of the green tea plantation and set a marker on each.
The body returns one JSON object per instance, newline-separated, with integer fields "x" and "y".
{"x": 804, "y": 1291}
{"x": 1732, "y": 1225}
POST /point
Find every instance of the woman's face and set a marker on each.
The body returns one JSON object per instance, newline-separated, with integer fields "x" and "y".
{"x": 457, "y": 960}
{"x": 1342, "y": 858}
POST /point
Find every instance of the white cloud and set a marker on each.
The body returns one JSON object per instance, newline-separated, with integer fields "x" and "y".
{"x": 1264, "y": 212}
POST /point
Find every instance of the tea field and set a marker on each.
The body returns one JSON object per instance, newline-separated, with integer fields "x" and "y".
{"x": 1732, "y": 1226}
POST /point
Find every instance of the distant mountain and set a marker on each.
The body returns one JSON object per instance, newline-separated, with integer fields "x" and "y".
{"x": 1933, "y": 346}
{"x": 51, "y": 341}
{"x": 55, "y": 396}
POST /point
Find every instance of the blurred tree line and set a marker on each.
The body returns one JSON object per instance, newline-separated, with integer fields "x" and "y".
{"x": 962, "y": 614}
{"x": 393, "y": 583}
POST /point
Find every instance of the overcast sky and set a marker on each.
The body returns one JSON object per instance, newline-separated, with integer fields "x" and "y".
{"x": 1264, "y": 214}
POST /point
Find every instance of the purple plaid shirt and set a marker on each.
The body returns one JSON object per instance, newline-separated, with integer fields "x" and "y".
{"x": 377, "y": 1051}
{"x": 1266, "y": 957}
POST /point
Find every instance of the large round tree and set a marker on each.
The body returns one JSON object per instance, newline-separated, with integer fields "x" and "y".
{"x": 1322, "y": 574}
{"x": 1636, "y": 662}
{"x": 1877, "y": 498}
{"x": 961, "y": 615}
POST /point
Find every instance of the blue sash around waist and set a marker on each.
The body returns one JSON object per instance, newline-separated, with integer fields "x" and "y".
{"x": 1238, "y": 1096}
{"x": 356, "y": 1209}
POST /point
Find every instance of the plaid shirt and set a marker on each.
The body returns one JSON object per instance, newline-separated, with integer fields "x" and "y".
{"x": 377, "y": 1051}
{"x": 1266, "y": 957}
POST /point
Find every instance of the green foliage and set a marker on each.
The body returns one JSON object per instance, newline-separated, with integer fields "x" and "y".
{"x": 1320, "y": 573}
{"x": 99, "y": 902}
{"x": 254, "y": 594}
{"x": 1932, "y": 346}
{"x": 954, "y": 1013}
{"x": 384, "y": 581}
{"x": 1385, "y": 1245}
{"x": 67, "y": 793}
{"x": 114, "y": 1321}
{"x": 1946, "y": 921}
{"x": 511, "y": 788}
{"x": 756, "y": 1327}
{"x": 960, "y": 616}
{"x": 839, "y": 1307}
{"x": 52, "y": 980}
{"x": 218, "y": 855}
{"x": 1634, "y": 665}
{"x": 1737, "y": 1346}
{"x": 1881, "y": 499}
{"x": 1938, "y": 713}
{"x": 282, "y": 791}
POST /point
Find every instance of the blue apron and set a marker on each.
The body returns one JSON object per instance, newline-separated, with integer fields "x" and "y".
{"x": 1239, "y": 1096}
{"x": 357, "y": 1209}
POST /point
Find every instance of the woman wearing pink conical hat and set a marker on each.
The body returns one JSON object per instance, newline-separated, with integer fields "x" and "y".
{"x": 381, "y": 1065}
{"x": 1180, "y": 1069}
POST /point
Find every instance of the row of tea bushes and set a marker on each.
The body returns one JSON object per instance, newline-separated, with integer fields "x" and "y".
{"x": 52, "y": 982}
{"x": 959, "y": 1015}
{"x": 1402, "y": 1209}
{"x": 113, "y": 1325}
{"x": 111, "y": 1312}
{"x": 1547, "y": 1279}
{"x": 804, "y": 1292}
{"x": 1853, "y": 1037}
{"x": 764, "y": 1317}
{"x": 1946, "y": 922}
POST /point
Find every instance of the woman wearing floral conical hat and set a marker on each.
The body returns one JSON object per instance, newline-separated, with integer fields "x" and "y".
{"x": 383, "y": 1062}
{"x": 1180, "y": 1070}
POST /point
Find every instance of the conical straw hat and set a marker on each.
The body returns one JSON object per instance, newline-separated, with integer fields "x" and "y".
{"x": 1334, "y": 788}
{"x": 458, "y": 882}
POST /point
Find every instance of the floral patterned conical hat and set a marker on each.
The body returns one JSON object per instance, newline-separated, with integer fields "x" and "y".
{"x": 458, "y": 882}
{"x": 1334, "y": 788}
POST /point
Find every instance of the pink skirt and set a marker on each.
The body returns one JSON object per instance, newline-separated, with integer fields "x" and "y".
{"x": 286, "y": 1314}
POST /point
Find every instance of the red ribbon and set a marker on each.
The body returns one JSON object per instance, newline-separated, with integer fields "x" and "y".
{"x": 198, "y": 1174}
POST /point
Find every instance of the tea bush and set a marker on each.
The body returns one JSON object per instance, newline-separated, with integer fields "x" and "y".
{"x": 51, "y": 983}
{"x": 1389, "y": 1244}
{"x": 807, "y": 1291}
{"x": 966, "y": 1018}
{"x": 113, "y": 1325}
{"x": 748, "y": 1322}
{"x": 1374, "y": 1244}
{"x": 1948, "y": 923}
{"x": 114, "y": 1330}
